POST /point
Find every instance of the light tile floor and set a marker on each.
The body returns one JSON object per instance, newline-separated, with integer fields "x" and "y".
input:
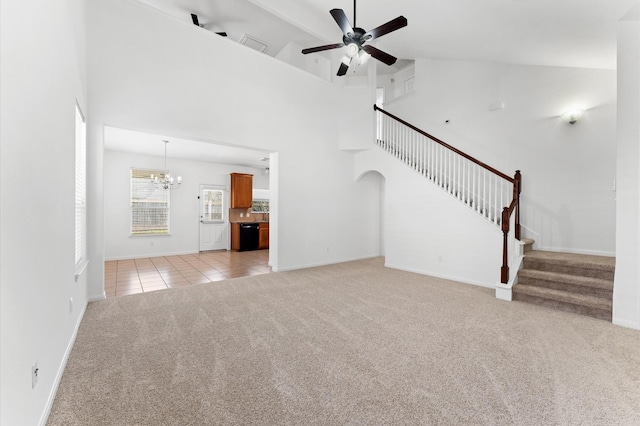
{"x": 130, "y": 276}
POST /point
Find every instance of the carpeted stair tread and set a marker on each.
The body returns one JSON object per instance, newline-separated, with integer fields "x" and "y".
{"x": 535, "y": 274}
{"x": 564, "y": 296}
{"x": 587, "y": 260}
{"x": 578, "y": 283}
{"x": 570, "y": 263}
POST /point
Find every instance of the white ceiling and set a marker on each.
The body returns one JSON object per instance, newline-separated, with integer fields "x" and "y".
{"x": 116, "y": 139}
{"x": 572, "y": 33}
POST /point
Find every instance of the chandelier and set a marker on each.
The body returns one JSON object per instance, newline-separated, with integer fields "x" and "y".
{"x": 165, "y": 181}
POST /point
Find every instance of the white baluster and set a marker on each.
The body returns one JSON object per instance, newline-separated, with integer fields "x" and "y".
{"x": 443, "y": 177}
{"x": 424, "y": 155}
{"x": 404, "y": 144}
{"x": 484, "y": 192}
{"x": 447, "y": 181}
{"x": 420, "y": 146}
{"x": 476, "y": 179}
{"x": 413, "y": 149}
{"x": 438, "y": 165}
{"x": 429, "y": 159}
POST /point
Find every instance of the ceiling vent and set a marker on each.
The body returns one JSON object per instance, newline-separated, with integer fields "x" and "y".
{"x": 254, "y": 43}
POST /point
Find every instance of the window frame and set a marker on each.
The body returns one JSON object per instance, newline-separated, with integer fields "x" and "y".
{"x": 80, "y": 190}
{"x": 166, "y": 231}
{"x": 203, "y": 212}
{"x": 262, "y": 206}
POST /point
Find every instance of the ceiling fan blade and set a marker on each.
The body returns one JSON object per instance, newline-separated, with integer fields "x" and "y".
{"x": 222, "y": 33}
{"x": 342, "y": 21}
{"x": 321, "y": 48}
{"x": 343, "y": 69}
{"x": 380, "y": 55}
{"x": 394, "y": 24}
{"x": 194, "y": 19}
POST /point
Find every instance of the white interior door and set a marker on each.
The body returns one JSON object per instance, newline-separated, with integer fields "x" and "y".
{"x": 214, "y": 226}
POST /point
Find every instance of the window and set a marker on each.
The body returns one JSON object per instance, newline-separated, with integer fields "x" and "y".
{"x": 212, "y": 205}
{"x": 81, "y": 191}
{"x": 260, "y": 206}
{"x": 149, "y": 204}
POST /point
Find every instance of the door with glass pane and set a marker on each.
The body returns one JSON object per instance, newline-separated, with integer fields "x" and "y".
{"x": 214, "y": 227}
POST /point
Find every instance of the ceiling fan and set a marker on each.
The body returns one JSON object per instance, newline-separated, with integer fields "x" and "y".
{"x": 194, "y": 19}
{"x": 354, "y": 39}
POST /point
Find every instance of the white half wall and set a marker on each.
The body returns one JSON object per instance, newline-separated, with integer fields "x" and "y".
{"x": 42, "y": 63}
{"x": 626, "y": 291}
{"x": 568, "y": 202}
{"x": 428, "y": 231}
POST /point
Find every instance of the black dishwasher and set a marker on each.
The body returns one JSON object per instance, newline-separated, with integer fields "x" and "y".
{"x": 249, "y": 236}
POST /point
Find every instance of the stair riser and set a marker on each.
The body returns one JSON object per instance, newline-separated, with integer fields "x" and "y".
{"x": 572, "y": 288}
{"x": 563, "y": 306}
{"x": 604, "y": 274}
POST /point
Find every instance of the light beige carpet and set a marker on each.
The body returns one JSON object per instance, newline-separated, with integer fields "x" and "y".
{"x": 347, "y": 344}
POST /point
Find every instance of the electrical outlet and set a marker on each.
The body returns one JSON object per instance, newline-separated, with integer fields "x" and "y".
{"x": 34, "y": 375}
{"x": 241, "y": 214}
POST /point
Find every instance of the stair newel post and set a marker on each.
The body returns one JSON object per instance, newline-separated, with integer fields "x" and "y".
{"x": 504, "y": 270}
{"x": 517, "y": 188}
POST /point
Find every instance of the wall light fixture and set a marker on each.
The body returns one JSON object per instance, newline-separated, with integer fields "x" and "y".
{"x": 572, "y": 115}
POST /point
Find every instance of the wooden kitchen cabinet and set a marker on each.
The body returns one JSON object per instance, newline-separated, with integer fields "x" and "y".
{"x": 264, "y": 235}
{"x": 241, "y": 190}
{"x": 235, "y": 236}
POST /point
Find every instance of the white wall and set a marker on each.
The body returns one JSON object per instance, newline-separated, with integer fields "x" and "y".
{"x": 626, "y": 292}
{"x": 313, "y": 63}
{"x": 428, "y": 231}
{"x": 185, "y": 213}
{"x": 41, "y": 78}
{"x": 397, "y": 85}
{"x": 162, "y": 76}
{"x": 568, "y": 203}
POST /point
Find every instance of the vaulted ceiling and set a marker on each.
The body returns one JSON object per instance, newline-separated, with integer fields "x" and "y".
{"x": 574, "y": 33}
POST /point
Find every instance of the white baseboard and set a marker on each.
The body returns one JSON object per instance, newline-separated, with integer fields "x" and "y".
{"x": 443, "y": 276}
{"x": 99, "y": 297}
{"x": 626, "y": 323}
{"x": 144, "y": 256}
{"x": 504, "y": 293}
{"x": 329, "y": 262}
{"x": 577, "y": 251}
{"x": 61, "y": 368}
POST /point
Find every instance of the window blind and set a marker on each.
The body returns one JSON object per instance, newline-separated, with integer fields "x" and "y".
{"x": 149, "y": 204}
{"x": 81, "y": 189}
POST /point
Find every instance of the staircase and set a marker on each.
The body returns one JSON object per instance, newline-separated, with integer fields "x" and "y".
{"x": 486, "y": 191}
{"x": 571, "y": 282}
{"x": 577, "y": 283}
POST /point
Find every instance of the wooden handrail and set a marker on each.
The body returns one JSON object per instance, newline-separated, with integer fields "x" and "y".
{"x": 514, "y": 206}
{"x": 446, "y": 145}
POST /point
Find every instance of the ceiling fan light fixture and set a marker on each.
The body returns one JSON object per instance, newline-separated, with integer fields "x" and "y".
{"x": 354, "y": 37}
{"x": 363, "y": 57}
{"x": 352, "y": 50}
